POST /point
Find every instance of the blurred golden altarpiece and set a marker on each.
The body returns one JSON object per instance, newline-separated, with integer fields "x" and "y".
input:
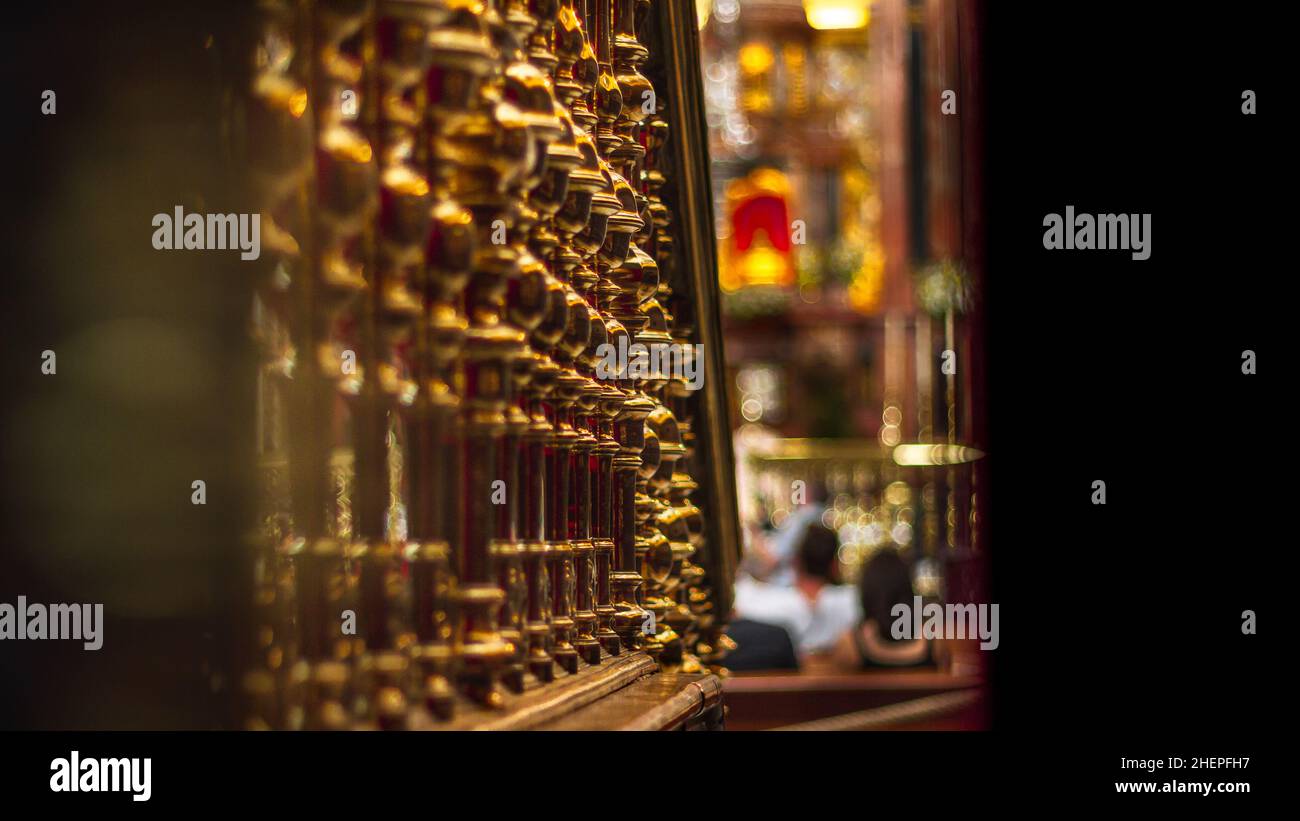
{"x": 461, "y": 525}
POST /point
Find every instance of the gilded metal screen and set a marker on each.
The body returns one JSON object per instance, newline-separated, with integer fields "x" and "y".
{"x": 491, "y": 422}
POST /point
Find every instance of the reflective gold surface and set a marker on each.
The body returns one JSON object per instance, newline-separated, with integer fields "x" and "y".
{"x": 465, "y": 201}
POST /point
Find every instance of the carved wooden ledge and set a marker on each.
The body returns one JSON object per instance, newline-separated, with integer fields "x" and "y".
{"x": 623, "y": 692}
{"x": 665, "y": 701}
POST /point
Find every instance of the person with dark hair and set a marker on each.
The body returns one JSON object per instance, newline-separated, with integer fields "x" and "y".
{"x": 777, "y": 556}
{"x": 817, "y": 554}
{"x": 816, "y": 610}
{"x": 885, "y": 583}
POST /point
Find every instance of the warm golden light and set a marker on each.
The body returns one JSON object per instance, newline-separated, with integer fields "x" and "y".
{"x": 922, "y": 455}
{"x": 837, "y": 14}
{"x": 762, "y": 265}
{"x": 755, "y": 58}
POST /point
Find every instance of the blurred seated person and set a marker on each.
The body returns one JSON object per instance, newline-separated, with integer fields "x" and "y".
{"x": 885, "y": 582}
{"x": 773, "y": 555}
{"x": 814, "y": 611}
{"x": 760, "y": 646}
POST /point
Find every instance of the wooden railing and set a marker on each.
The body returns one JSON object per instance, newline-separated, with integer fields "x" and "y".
{"x": 763, "y": 701}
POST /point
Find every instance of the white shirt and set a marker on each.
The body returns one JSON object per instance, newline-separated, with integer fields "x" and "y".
{"x": 813, "y": 626}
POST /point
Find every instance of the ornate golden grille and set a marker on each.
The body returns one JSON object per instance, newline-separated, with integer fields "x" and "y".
{"x": 461, "y": 202}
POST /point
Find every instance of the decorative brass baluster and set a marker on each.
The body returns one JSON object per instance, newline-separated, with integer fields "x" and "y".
{"x": 569, "y": 385}
{"x": 511, "y": 549}
{"x": 493, "y": 148}
{"x": 536, "y": 545}
{"x": 583, "y": 473}
{"x": 333, "y": 207}
{"x": 278, "y": 145}
{"x": 575, "y": 74}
